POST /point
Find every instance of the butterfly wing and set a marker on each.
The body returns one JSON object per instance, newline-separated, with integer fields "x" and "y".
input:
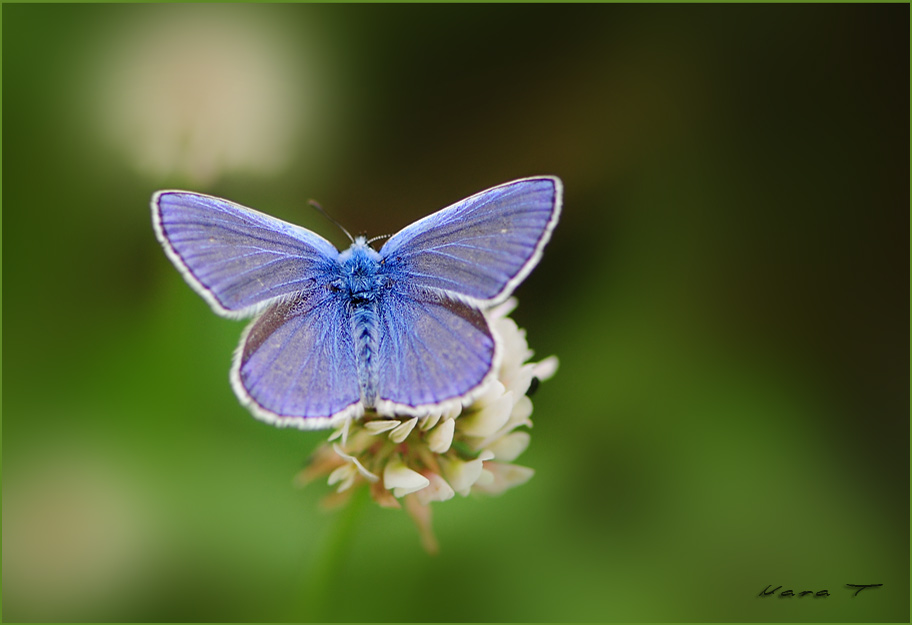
{"x": 235, "y": 257}
{"x": 482, "y": 247}
{"x": 435, "y": 352}
{"x": 295, "y": 365}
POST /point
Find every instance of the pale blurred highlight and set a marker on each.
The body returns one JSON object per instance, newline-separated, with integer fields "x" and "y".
{"x": 198, "y": 95}
{"x": 79, "y": 536}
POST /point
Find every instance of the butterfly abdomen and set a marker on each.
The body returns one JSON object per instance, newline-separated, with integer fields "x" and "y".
{"x": 367, "y": 341}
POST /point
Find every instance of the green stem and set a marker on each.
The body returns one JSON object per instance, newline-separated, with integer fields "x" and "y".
{"x": 315, "y": 587}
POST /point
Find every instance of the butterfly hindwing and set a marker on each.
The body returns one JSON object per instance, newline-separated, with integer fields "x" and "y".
{"x": 296, "y": 363}
{"x": 434, "y": 351}
{"x": 482, "y": 247}
{"x": 235, "y": 257}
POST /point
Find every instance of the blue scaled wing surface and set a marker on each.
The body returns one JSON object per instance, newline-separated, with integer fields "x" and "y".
{"x": 435, "y": 351}
{"x": 436, "y": 347}
{"x": 482, "y": 247}
{"x": 236, "y": 258}
{"x": 296, "y": 362}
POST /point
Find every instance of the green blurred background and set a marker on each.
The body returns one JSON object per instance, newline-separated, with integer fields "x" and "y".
{"x": 726, "y": 292}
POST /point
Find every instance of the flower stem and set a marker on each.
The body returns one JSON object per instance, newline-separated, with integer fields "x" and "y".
{"x": 312, "y": 602}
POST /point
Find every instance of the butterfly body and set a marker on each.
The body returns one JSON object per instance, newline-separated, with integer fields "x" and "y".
{"x": 361, "y": 287}
{"x": 401, "y": 330}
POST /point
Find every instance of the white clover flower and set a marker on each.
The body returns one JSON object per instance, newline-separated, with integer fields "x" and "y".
{"x": 426, "y": 459}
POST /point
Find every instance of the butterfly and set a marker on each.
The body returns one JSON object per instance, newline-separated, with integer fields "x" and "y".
{"x": 401, "y": 331}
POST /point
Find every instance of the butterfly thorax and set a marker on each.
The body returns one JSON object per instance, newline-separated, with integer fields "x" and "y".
{"x": 361, "y": 283}
{"x": 360, "y": 278}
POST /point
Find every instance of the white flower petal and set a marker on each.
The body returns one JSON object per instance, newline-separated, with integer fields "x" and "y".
{"x": 438, "y": 490}
{"x": 505, "y": 476}
{"x": 489, "y": 419}
{"x": 401, "y": 480}
{"x": 485, "y": 479}
{"x": 402, "y": 431}
{"x": 344, "y": 475}
{"x": 519, "y": 416}
{"x": 546, "y": 369}
{"x": 494, "y": 391}
{"x": 453, "y": 412}
{"x": 381, "y": 425}
{"x": 426, "y": 423}
{"x": 515, "y": 348}
{"x": 345, "y": 429}
{"x": 341, "y": 473}
{"x": 521, "y": 380}
{"x": 367, "y": 474}
{"x": 441, "y": 437}
{"x": 461, "y": 474}
{"x": 521, "y": 412}
{"x": 341, "y": 431}
{"x": 509, "y": 447}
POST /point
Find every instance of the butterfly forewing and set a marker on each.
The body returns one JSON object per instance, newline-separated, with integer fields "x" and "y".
{"x": 482, "y": 247}
{"x": 235, "y": 257}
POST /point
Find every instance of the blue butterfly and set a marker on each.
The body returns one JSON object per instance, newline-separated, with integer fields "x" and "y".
{"x": 399, "y": 331}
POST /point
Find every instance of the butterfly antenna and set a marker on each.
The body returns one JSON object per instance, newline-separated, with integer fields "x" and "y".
{"x": 378, "y": 237}
{"x": 320, "y": 209}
